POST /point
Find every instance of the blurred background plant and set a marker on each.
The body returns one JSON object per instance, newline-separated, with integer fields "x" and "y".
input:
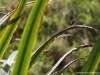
{"x": 59, "y": 15}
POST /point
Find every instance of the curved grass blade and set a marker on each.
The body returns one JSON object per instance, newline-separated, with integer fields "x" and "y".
{"x": 93, "y": 60}
{"x": 29, "y": 37}
{"x": 5, "y": 17}
{"x": 66, "y": 35}
{"x": 61, "y": 71}
{"x": 11, "y": 27}
{"x": 2, "y": 20}
{"x": 66, "y": 55}
{"x": 40, "y": 50}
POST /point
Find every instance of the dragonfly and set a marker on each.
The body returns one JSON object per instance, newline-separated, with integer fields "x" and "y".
{"x": 73, "y": 21}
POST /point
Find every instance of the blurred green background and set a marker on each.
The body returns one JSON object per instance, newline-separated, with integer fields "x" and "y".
{"x": 58, "y": 16}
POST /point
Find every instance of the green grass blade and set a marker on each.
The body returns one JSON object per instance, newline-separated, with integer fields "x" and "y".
{"x": 39, "y": 51}
{"x": 29, "y": 37}
{"x": 11, "y": 27}
{"x": 93, "y": 60}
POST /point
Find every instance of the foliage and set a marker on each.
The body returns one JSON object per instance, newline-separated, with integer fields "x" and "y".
{"x": 58, "y": 16}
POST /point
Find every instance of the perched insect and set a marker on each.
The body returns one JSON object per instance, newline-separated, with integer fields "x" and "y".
{"x": 73, "y": 21}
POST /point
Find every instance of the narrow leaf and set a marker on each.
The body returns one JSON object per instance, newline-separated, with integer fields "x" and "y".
{"x": 61, "y": 71}
{"x": 5, "y": 17}
{"x": 11, "y": 27}
{"x": 29, "y": 37}
{"x": 66, "y": 55}
{"x": 40, "y": 50}
{"x": 93, "y": 60}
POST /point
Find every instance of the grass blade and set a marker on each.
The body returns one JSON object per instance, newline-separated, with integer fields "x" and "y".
{"x": 40, "y": 50}
{"x": 11, "y": 27}
{"x": 29, "y": 37}
{"x": 93, "y": 60}
{"x": 61, "y": 71}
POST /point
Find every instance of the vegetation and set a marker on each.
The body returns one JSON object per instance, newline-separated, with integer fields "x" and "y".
{"x": 68, "y": 30}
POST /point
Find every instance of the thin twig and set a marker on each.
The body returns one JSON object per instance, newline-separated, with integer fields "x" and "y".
{"x": 52, "y": 11}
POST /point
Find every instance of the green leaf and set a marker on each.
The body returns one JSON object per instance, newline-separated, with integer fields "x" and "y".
{"x": 93, "y": 60}
{"x": 29, "y": 37}
{"x": 11, "y": 27}
{"x": 40, "y": 50}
